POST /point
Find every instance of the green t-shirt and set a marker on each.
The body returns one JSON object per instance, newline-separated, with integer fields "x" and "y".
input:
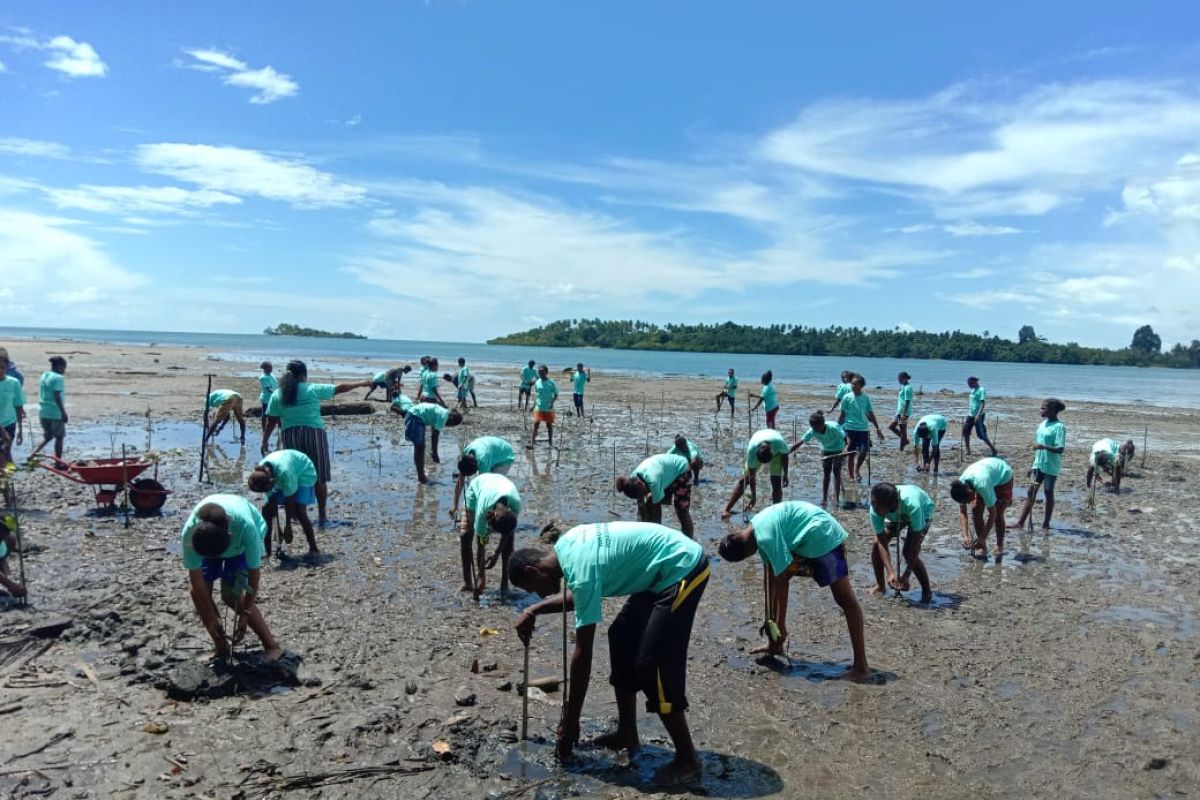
{"x": 731, "y": 384}
{"x": 403, "y": 402}
{"x": 547, "y": 392}
{"x": 429, "y": 382}
{"x": 528, "y": 376}
{"x": 580, "y": 380}
{"x": 1110, "y": 446}
{"x": 978, "y": 395}
{"x": 843, "y": 389}
{"x": 266, "y": 385}
{"x": 292, "y": 470}
{"x": 659, "y": 472}
{"x": 12, "y": 397}
{"x": 936, "y": 424}
{"x": 615, "y": 559}
{"x": 770, "y": 401}
{"x": 915, "y": 510}
{"x": 50, "y": 383}
{"x": 490, "y": 452}
{"x": 219, "y": 397}
{"x": 1051, "y": 434}
{"x": 779, "y": 446}
{"x": 483, "y": 492}
{"x": 431, "y": 414}
{"x": 693, "y": 452}
{"x": 904, "y": 401}
{"x": 380, "y": 378}
{"x": 984, "y": 476}
{"x": 856, "y": 407}
{"x": 306, "y": 411}
{"x": 833, "y": 440}
{"x": 247, "y": 529}
{"x": 795, "y": 528}
{"x": 464, "y": 377}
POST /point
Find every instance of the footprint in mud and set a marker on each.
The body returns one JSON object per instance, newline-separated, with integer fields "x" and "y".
{"x": 819, "y": 671}
{"x": 286, "y": 562}
{"x": 939, "y": 601}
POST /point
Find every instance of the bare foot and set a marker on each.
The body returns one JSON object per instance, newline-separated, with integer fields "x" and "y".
{"x": 926, "y": 599}
{"x": 875, "y": 588}
{"x": 726, "y": 514}
{"x": 904, "y": 585}
{"x": 619, "y": 740}
{"x": 678, "y": 773}
{"x": 466, "y": 587}
{"x": 856, "y": 674}
{"x": 272, "y": 655}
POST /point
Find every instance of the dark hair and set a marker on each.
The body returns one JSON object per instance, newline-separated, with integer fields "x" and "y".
{"x": 815, "y": 417}
{"x": 735, "y": 547}
{"x": 922, "y": 430}
{"x": 504, "y": 520}
{"x": 461, "y": 361}
{"x": 1128, "y": 447}
{"x": 531, "y": 362}
{"x": 860, "y": 379}
{"x": 56, "y": 360}
{"x": 210, "y": 537}
{"x": 522, "y": 561}
{"x": 433, "y": 363}
{"x": 1101, "y": 458}
{"x": 629, "y": 487}
{"x": 424, "y": 360}
{"x": 1055, "y": 405}
{"x": 295, "y": 374}
{"x": 468, "y": 464}
{"x": 681, "y": 443}
{"x": 905, "y": 376}
{"x": 971, "y": 378}
{"x": 767, "y": 377}
{"x": 266, "y": 365}
{"x": 260, "y": 480}
{"x": 960, "y": 491}
{"x": 847, "y": 375}
{"x": 543, "y": 367}
{"x": 455, "y": 418}
{"x": 886, "y": 495}
{"x": 406, "y": 368}
{"x": 770, "y": 453}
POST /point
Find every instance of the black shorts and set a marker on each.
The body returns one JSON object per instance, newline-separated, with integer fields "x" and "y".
{"x": 830, "y": 465}
{"x": 860, "y": 441}
{"x": 648, "y": 642}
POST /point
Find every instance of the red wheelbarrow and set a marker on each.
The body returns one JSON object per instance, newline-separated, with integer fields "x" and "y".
{"x": 146, "y": 495}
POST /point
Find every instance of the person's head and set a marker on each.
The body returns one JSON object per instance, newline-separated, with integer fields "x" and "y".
{"x": 903, "y": 377}
{"x": 462, "y": 362}
{"x": 738, "y": 545}
{"x": 731, "y": 372}
{"x": 632, "y": 487}
{"x": 972, "y": 381}
{"x": 433, "y": 363}
{"x": 847, "y": 375}
{"x": 407, "y": 368}
{"x": 262, "y": 479}
{"x": 764, "y": 453}
{"x": 681, "y": 444}
{"x": 210, "y": 537}
{"x": 502, "y": 519}
{"x": 58, "y": 364}
{"x": 766, "y": 377}
{"x": 294, "y": 374}
{"x": 424, "y": 361}
{"x": 3, "y": 363}
{"x": 922, "y": 431}
{"x": 1052, "y": 407}
{"x": 267, "y": 367}
{"x": 857, "y": 383}
{"x": 885, "y": 498}
{"x": 1103, "y": 460}
{"x": 531, "y": 363}
{"x": 535, "y": 571}
{"x": 454, "y": 419}
{"x": 579, "y": 367}
{"x": 962, "y": 493}
{"x": 468, "y": 464}
{"x": 1128, "y": 448}
{"x": 816, "y": 421}
{"x": 543, "y": 371}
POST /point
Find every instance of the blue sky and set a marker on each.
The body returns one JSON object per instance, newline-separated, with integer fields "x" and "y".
{"x": 458, "y": 170}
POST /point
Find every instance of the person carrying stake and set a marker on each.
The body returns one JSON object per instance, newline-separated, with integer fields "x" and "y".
{"x": 545, "y": 393}
{"x": 796, "y": 538}
{"x": 492, "y": 504}
{"x": 52, "y": 406}
{"x": 1051, "y": 440}
{"x": 728, "y": 393}
{"x": 895, "y": 509}
{"x": 1109, "y": 457}
{"x": 685, "y": 447}
{"x": 8, "y": 543}
{"x": 222, "y": 539}
{"x": 484, "y": 454}
{"x": 580, "y": 378}
{"x": 834, "y": 444}
{"x": 976, "y": 412}
{"x": 856, "y": 412}
{"x": 930, "y": 431}
{"x": 985, "y": 485}
{"x": 417, "y": 418}
{"x": 765, "y": 447}
{"x": 664, "y": 576}
{"x": 464, "y": 383}
{"x": 769, "y": 399}
{"x": 656, "y": 480}
{"x": 899, "y": 424}
{"x": 528, "y": 376}
{"x": 288, "y": 477}
{"x": 267, "y": 384}
{"x": 227, "y": 403}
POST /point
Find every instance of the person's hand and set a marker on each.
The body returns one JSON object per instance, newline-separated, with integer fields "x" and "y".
{"x": 892, "y": 580}
{"x": 491, "y": 560}
{"x": 566, "y": 737}
{"x": 20, "y": 435}
{"x": 881, "y": 436}
{"x": 65, "y": 419}
{"x": 750, "y": 503}
{"x": 265, "y": 450}
{"x": 785, "y": 479}
{"x": 454, "y": 513}
{"x": 524, "y": 625}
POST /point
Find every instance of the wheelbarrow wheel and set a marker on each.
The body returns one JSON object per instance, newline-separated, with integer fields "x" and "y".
{"x": 147, "y": 495}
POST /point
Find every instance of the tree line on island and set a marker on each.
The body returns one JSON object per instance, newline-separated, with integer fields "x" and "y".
{"x": 1144, "y": 350}
{"x": 286, "y": 329}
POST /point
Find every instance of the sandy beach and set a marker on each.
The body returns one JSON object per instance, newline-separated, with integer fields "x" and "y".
{"x": 1069, "y": 669}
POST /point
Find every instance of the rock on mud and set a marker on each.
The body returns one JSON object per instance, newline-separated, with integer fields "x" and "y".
{"x": 199, "y": 680}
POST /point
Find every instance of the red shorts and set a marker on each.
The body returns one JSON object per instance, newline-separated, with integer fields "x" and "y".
{"x": 771, "y": 417}
{"x": 1003, "y": 494}
{"x": 547, "y": 417}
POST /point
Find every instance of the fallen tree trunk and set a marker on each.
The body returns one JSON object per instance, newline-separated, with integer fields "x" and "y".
{"x": 333, "y": 410}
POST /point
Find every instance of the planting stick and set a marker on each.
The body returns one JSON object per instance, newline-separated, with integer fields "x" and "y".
{"x": 204, "y": 439}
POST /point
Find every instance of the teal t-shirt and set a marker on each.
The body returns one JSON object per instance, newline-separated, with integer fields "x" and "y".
{"x": 50, "y": 383}
{"x": 491, "y": 452}
{"x": 615, "y": 559}
{"x": 464, "y": 377}
{"x": 915, "y": 510}
{"x": 660, "y": 471}
{"x": 266, "y": 385}
{"x": 779, "y": 446}
{"x": 770, "y": 401}
{"x": 693, "y": 452}
{"x": 380, "y": 378}
{"x": 403, "y": 402}
{"x": 547, "y": 392}
{"x": 978, "y": 395}
{"x": 431, "y": 414}
{"x": 247, "y": 529}
{"x": 984, "y": 476}
{"x": 843, "y": 389}
{"x": 833, "y": 440}
{"x": 1050, "y": 434}
{"x": 1110, "y": 446}
{"x": 579, "y": 379}
{"x": 292, "y": 470}
{"x": 483, "y": 492}
{"x": 731, "y": 384}
{"x": 429, "y": 382}
{"x": 306, "y": 411}
{"x": 936, "y": 424}
{"x": 856, "y": 407}
{"x": 219, "y": 397}
{"x": 904, "y": 401}
{"x": 528, "y": 376}
{"x": 795, "y": 528}
{"x": 12, "y": 397}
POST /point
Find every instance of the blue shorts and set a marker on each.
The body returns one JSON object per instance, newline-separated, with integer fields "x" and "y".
{"x": 11, "y": 430}
{"x": 829, "y": 567}
{"x": 233, "y": 573}
{"x": 860, "y": 441}
{"x": 414, "y": 429}
{"x": 578, "y": 398}
{"x": 304, "y": 496}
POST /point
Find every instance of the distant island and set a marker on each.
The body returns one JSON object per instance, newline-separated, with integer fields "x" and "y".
{"x": 284, "y": 329}
{"x": 1144, "y": 350}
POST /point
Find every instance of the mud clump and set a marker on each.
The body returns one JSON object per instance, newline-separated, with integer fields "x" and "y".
{"x": 191, "y": 681}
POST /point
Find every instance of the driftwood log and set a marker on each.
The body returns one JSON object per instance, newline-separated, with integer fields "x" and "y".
{"x": 333, "y": 409}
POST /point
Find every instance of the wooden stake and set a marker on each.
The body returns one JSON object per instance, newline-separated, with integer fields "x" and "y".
{"x": 204, "y": 440}
{"x": 1145, "y": 442}
{"x": 525, "y": 699}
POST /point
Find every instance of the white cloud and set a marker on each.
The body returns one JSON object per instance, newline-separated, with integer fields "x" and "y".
{"x": 973, "y": 228}
{"x": 268, "y": 84}
{"x": 238, "y": 171}
{"x": 32, "y": 147}
{"x": 71, "y": 58}
{"x": 126, "y": 200}
{"x": 1175, "y": 196}
{"x": 3, "y": 68}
